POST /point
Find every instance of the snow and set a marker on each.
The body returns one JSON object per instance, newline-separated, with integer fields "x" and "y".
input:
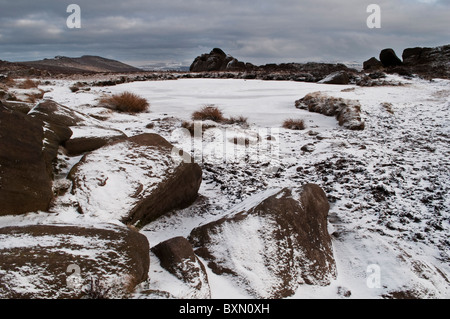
{"x": 113, "y": 195}
{"x": 388, "y": 185}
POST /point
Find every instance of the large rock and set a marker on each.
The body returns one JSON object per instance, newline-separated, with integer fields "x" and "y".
{"x": 135, "y": 180}
{"x": 388, "y": 58}
{"x": 62, "y": 261}
{"x": 347, "y": 112}
{"x": 25, "y": 185}
{"x": 373, "y": 64}
{"x": 340, "y": 77}
{"x": 216, "y": 60}
{"x": 177, "y": 256}
{"x": 272, "y": 243}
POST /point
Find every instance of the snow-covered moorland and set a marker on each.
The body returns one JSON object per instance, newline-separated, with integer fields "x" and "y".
{"x": 387, "y": 185}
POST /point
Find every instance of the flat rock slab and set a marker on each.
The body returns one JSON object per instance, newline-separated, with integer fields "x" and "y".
{"x": 90, "y": 138}
{"x": 62, "y": 261}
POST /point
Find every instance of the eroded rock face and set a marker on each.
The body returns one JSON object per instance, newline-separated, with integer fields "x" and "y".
{"x": 177, "y": 256}
{"x": 135, "y": 180}
{"x": 77, "y": 132}
{"x": 25, "y": 185}
{"x": 61, "y": 261}
{"x": 272, "y": 243}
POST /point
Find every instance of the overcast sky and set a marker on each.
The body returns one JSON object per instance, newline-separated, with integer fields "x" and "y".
{"x": 258, "y": 31}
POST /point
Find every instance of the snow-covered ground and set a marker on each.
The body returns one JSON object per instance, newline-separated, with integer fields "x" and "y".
{"x": 388, "y": 185}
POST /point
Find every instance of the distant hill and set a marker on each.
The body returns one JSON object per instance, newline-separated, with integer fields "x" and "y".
{"x": 86, "y": 63}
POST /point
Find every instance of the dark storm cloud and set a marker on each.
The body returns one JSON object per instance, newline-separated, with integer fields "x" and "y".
{"x": 259, "y": 31}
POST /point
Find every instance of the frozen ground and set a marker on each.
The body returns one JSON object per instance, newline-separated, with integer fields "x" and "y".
{"x": 388, "y": 185}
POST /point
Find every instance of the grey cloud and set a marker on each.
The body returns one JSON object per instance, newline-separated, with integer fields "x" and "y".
{"x": 259, "y": 31}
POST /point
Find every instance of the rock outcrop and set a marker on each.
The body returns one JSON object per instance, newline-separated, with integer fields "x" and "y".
{"x": 25, "y": 185}
{"x": 177, "y": 256}
{"x": 430, "y": 62}
{"x": 347, "y": 112}
{"x": 216, "y": 60}
{"x": 64, "y": 261}
{"x": 229, "y": 67}
{"x": 135, "y": 180}
{"x": 425, "y": 62}
{"x": 272, "y": 243}
{"x": 388, "y": 58}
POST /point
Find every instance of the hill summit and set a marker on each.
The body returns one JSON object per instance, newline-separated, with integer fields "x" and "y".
{"x": 86, "y": 63}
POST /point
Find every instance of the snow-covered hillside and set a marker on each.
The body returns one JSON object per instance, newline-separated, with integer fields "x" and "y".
{"x": 388, "y": 185}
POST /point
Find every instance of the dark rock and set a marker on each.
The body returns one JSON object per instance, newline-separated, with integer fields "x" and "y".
{"x": 340, "y": 77}
{"x": 25, "y": 185}
{"x": 308, "y": 148}
{"x": 177, "y": 256}
{"x": 388, "y": 58}
{"x": 412, "y": 56}
{"x": 61, "y": 261}
{"x": 372, "y": 64}
{"x": 152, "y": 177}
{"x": 273, "y": 243}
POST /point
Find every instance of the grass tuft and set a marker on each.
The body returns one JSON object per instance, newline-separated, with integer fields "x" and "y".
{"x": 209, "y": 113}
{"x": 294, "y": 124}
{"x": 125, "y": 102}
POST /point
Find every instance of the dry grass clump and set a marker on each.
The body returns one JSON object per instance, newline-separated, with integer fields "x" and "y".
{"x": 125, "y": 102}
{"x": 294, "y": 124}
{"x": 388, "y": 107}
{"x": 240, "y": 120}
{"x": 212, "y": 113}
{"x": 209, "y": 113}
{"x": 28, "y": 84}
{"x": 9, "y": 82}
